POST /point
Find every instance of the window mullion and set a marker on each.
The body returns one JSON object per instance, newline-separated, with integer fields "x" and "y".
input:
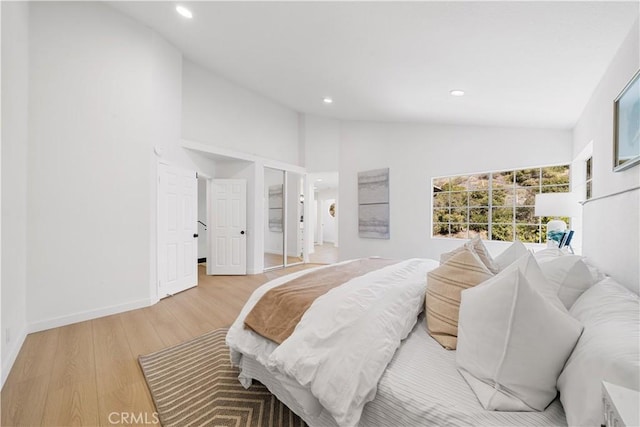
{"x": 490, "y": 208}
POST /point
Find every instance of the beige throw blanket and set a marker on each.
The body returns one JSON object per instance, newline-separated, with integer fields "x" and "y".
{"x": 278, "y": 312}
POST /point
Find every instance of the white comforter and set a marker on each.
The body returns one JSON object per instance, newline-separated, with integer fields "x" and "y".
{"x": 345, "y": 340}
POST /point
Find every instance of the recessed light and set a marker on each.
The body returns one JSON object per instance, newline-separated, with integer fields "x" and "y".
{"x": 457, "y": 92}
{"x": 319, "y": 180}
{"x": 184, "y": 12}
{"x": 327, "y": 100}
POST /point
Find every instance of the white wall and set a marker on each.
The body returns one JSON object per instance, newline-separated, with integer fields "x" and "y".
{"x": 614, "y": 248}
{"x": 15, "y": 91}
{"x": 415, "y": 153}
{"x": 216, "y": 111}
{"x": 321, "y": 143}
{"x": 104, "y": 90}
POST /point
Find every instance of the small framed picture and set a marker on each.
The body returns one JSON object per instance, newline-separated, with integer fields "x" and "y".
{"x": 626, "y": 131}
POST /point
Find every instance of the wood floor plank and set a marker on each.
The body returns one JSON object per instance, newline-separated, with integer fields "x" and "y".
{"x": 74, "y": 359}
{"x": 130, "y": 405}
{"x": 75, "y": 404}
{"x": 30, "y": 363}
{"x": 170, "y": 331}
{"x": 24, "y": 404}
{"x": 193, "y": 322}
{"x": 115, "y": 365}
{"x": 141, "y": 335}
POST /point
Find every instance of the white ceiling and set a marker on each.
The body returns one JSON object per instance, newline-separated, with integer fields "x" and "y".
{"x": 521, "y": 63}
{"x": 324, "y": 180}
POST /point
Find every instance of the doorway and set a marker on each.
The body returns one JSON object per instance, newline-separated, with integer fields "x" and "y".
{"x": 324, "y": 222}
{"x": 202, "y": 222}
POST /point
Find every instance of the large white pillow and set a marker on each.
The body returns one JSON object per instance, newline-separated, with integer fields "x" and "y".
{"x": 531, "y": 270}
{"x": 569, "y": 274}
{"x": 510, "y": 255}
{"x": 512, "y": 340}
{"x": 608, "y": 350}
{"x": 548, "y": 253}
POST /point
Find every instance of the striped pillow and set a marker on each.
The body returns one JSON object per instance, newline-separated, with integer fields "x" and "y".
{"x": 444, "y": 285}
{"x": 476, "y": 246}
{"x": 484, "y": 254}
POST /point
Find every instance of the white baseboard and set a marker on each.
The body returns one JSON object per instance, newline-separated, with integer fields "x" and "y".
{"x": 56, "y": 322}
{"x": 12, "y": 355}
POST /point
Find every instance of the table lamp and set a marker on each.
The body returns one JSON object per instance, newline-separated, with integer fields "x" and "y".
{"x": 556, "y": 205}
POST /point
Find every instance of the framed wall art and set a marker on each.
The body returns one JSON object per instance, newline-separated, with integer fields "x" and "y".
{"x": 626, "y": 131}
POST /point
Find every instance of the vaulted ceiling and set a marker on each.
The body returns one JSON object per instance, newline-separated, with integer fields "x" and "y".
{"x": 520, "y": 63}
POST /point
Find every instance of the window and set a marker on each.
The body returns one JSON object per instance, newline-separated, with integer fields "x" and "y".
{"x": 495, "y": 205}
{"x": 589, "y": 177}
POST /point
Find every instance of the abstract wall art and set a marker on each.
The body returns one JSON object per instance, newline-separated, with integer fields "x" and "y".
{"x": 373, "y": 204}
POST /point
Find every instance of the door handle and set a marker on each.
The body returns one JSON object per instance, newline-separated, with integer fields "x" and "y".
{"x": 195, "y": 235}
{"x": 242, "y": 232}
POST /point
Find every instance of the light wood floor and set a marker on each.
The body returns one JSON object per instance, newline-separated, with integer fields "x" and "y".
{"x": 275, "y": 260}
{"x": 324, "y": 254}
{"x": 87, "y": 373}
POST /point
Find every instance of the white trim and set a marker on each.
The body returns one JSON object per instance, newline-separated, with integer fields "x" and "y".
{"x": 209, "y": 232}
{"x": 82, "y": 316}
{"x": 12, "y": 355}
{"x": 239, "y": 155}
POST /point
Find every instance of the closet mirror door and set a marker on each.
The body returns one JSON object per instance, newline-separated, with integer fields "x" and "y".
{"x": 274, "y": 206}
{"x": 294, "y": 218}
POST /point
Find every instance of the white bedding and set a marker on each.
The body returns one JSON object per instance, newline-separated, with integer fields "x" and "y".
{"x": 344, "y": 341}
{"x": 420, "y": 386}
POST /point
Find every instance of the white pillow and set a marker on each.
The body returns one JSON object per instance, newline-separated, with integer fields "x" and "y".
{"x": 482, "y": 251}
{"x": 510, "y": 255}
{"x": 531, "y": 270}
{"x": 548, "y": 253}
{"x": 569, "y": 274}
{"x": 595, "y": 272}
{"x": 607, "y": 350}
{"x": 512, "y": 341}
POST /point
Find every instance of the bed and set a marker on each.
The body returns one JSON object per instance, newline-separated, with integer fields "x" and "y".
{"x": 413, "y": 381}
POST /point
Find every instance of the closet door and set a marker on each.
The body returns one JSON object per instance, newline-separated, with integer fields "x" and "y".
{"x": 294, "y": 218}
{"x": 274, "y": 214}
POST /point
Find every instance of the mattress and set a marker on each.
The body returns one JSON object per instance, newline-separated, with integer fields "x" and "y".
{"x": 420, "y": 387}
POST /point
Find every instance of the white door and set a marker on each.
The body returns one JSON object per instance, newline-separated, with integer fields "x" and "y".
{"x": 177, "y": 222}
{"x": 228, "y": 232}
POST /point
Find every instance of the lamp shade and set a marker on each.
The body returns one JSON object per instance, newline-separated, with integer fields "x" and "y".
{"x": 557, "y": 204}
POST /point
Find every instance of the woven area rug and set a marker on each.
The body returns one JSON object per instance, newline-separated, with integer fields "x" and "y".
{"x": 194, "y": 384}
